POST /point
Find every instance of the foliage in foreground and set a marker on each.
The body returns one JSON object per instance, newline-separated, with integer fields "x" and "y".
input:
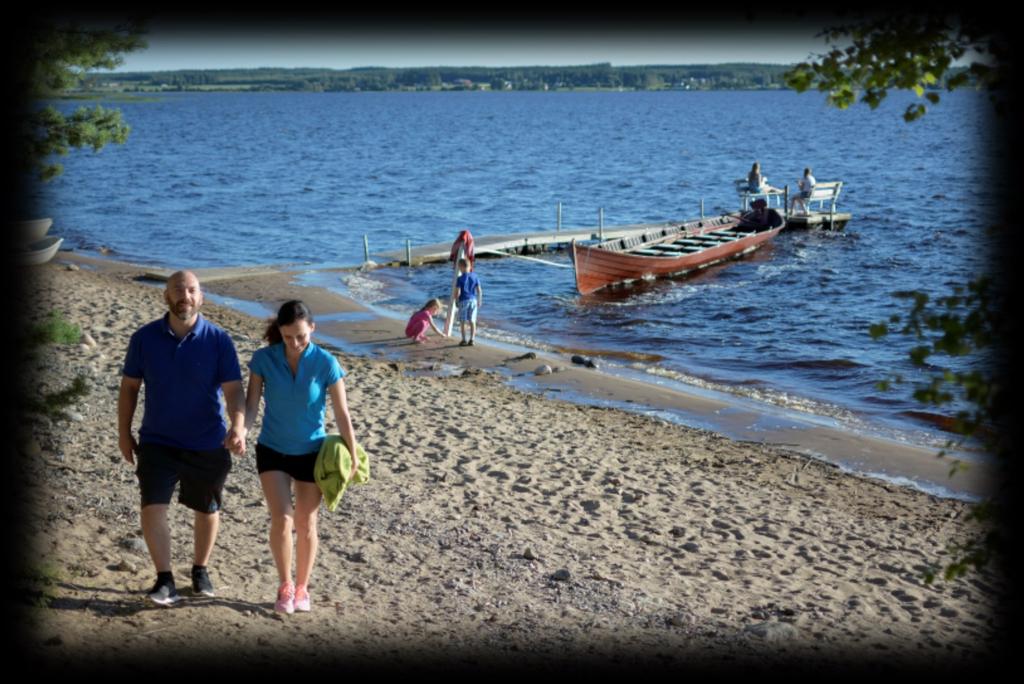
{"x": 968, "y": 324}
{"x": 871, "y": 56}
{"x": 915, "y": 52}
{"x": 59, "y": 59}
{"x": 55, "y": 329}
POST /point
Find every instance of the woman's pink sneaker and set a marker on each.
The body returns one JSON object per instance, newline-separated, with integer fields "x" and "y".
{"x": 285, "y": 598}
{"x": 301, "y": 599}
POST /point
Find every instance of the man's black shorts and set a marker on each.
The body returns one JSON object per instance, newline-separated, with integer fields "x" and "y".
{"x": 201, "y": 474}
{"x": 299, "y": 467}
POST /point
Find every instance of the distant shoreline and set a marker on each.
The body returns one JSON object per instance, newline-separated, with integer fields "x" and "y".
{"x": 128, "y": 94}
{"x": 592, "y": 77}
{"x": 601, "y": 77}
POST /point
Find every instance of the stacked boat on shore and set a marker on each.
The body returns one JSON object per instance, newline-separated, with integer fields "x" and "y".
{"x": 32, "y": 244}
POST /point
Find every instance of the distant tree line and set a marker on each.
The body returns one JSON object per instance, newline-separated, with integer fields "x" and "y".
{"x": 596, "y": 76}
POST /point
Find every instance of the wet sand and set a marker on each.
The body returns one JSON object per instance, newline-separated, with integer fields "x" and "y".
{"x": 740, "y": 419}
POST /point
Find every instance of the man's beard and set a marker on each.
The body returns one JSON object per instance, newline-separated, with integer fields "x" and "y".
{"x": 184, "y": 312}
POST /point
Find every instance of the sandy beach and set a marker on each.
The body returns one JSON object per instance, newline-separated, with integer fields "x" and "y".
{"x": 499, "y": 528}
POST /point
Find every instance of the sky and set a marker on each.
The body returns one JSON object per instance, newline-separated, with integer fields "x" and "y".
{"x": 341, "y": 43}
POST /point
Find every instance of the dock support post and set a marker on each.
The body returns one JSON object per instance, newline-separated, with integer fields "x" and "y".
{"x": 600, "y": 222}
{"x": 366, "y": 249}
{"x": 408, "y": 252}
{"x": 702, "y": 207}
{"x": 558, "y": 224}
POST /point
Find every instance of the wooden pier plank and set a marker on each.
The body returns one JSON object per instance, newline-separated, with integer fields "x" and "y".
{"x": 441, "y": 251}
{"x": 816, "y": 219}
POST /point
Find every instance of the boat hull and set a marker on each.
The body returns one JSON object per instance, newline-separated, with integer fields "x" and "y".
{"x": 598, "y": 266}
{"x": 27, "y": 232}
{"x": 39, "y": 252}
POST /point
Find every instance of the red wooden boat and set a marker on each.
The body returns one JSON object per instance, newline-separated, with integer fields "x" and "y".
{"x": 673, "y": 250}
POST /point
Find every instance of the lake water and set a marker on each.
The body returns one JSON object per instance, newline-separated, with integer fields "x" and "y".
{"x": 219, "y": 179}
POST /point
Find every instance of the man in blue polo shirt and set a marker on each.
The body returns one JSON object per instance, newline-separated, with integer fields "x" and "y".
{"x": 185, "y": 362}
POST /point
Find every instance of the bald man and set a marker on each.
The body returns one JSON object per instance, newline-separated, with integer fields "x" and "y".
{"x": 186, "y": 364}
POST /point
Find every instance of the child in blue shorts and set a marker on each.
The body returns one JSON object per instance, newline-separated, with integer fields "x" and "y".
{"x": 470, "y": 297}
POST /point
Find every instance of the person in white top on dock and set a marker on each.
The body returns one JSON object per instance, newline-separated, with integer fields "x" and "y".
{"x": 806, "y": 188}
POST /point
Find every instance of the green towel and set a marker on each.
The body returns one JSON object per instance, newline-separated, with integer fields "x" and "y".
{"x": 333, "y": 464}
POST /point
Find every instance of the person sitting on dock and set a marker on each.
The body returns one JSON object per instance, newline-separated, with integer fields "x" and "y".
{"x": 470, "y": 296}
{"x": 756, "y": 183}
{"x": 806, "y": 184}
{"x": 422, "y": 320}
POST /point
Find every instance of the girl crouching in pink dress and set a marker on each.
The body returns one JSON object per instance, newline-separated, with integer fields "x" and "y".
{"x": 423, "y": 320}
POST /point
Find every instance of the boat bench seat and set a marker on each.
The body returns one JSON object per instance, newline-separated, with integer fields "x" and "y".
{"x": 626, "y": 244}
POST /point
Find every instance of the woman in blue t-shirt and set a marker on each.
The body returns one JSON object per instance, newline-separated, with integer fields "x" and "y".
{"x": 294, "y": 378}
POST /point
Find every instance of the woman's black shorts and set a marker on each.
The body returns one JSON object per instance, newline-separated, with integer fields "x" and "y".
{"x": 299, "y": 467}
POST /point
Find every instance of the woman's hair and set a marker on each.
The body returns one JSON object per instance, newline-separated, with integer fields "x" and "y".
{"x": 289, "y": 312}
{"x": 431, "y": 303}
{"x": 807, "y": 171}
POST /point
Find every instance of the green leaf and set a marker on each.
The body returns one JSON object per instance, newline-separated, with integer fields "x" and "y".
{"x": 914, "y": 112}
{"x": 918, "y": 355}
{"x": 60, "y": 57}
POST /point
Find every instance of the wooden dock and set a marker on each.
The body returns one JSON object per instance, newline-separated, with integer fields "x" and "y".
{"x": 499, "y": 245}
{"x": 516, "y": 243}
{"x": 540, "y": 241}
{"x": 819, "y": 219}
